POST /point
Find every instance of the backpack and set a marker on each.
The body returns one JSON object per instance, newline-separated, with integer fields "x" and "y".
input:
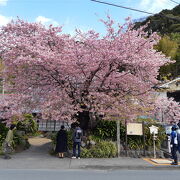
{"x": 78, "y": 134}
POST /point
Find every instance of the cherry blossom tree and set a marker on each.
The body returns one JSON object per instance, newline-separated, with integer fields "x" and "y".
{"x": 9, "y": 109}
{"x": 167, "y": 110}
{"x": 109, "y": 73}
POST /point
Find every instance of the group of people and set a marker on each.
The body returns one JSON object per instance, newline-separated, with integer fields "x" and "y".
{"x": 61, "y": 145}
{"x": 62, "y": 139}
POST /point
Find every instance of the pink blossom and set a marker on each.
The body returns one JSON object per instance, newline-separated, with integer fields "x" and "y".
{"x": 58, "y": 73}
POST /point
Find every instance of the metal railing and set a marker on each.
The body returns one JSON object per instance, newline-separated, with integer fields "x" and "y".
{"x": 52, "y": 125}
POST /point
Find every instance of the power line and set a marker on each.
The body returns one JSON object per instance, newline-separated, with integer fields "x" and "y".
{"x": 174, "y": 2}
{"x": 124, "y": 7}
{"x": 133, "y": 9}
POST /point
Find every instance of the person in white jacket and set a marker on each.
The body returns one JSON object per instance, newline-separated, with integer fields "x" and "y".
{"x": 8, "y": 142}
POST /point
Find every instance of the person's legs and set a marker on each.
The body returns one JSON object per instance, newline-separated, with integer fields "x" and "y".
{"x": 79, "y": 149}
{"x": 6, "y": 150}
{"x": 60, "y": 155}
{"x": 7, "y": 156}
{"x": 174, "y": 154}
{"x": 74, "y": 149}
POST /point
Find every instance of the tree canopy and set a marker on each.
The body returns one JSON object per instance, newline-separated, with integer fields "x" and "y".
{"x": 167, "y": 24}
{"x": 61, "y": 75}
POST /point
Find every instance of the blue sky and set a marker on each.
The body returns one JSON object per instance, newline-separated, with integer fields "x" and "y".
{"x": 82, "y": 14}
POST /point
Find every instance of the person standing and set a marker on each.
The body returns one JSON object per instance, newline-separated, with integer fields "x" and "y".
{"x": 61, "y": 142}
{"x": 8, "y": 142}
{"x": 77, "y": 137}
{"x": 174, "y": 145}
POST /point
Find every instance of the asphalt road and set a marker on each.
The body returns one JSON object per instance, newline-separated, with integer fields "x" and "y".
{"x": 22, "y": 174}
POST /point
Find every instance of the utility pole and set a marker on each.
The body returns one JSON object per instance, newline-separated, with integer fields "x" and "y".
{"x": 118, "y": 137}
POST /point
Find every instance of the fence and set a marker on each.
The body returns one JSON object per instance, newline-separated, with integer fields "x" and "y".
{"x": 52, "y": 125}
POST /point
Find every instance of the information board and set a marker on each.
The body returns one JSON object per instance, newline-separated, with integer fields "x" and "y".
{"x": 134, "y": 129}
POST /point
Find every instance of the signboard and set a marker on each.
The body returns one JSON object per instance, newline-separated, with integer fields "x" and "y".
{"x": 153, "y": 129}
{"x": 134, "y": 129}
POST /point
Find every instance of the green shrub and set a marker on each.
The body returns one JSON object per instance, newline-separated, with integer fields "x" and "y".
{"x": 28, "y": 124}
{"x": 3, "y": 132}
{"x": 94, "y": 138}
{"x": 53, "y": 136}
{"x": 70, "y": 140}
{"x": 136, "y": 142}
{"x": 108, "y": 130}
{"x": 86, "y": 153}
{"x": 20, "y": 141}
{"x": 103, "y": 149}
{"x": 161, "y": 136}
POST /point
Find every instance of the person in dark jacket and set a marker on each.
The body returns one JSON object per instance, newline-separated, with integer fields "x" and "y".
{"x": 77, "y": 137}
{"x": 61, "y": 144}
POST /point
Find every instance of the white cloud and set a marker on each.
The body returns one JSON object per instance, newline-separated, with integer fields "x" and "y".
{"x": 155, "y": 6}
{"x": 4, "y": 20}
{"x": 46, "y": 21}
{"x": 3, "y": 2}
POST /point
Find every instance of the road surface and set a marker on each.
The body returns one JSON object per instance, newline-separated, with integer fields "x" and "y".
{"x": 22, "y": 174}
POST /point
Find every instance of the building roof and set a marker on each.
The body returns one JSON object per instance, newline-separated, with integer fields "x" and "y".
{"x": 167, "y": 85}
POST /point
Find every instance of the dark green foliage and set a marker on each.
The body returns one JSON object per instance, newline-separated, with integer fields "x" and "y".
{"x": 136, "y": 142}
{"x": 161, "y": 136}
{"x": 170, "y": 46}
{"x": 28, "y": 124}
{"x": 108, "y": 130}
{"x": 105, "y": 130}
{"x": 53, "y": 137}
{"x": 175, "y": 28}
{"x": 3, "y": 132}
{"x": 104, "y": 136}
{"x": 102, "y": 149}
{"x": 70, "y": 140}
{"x": 170, "y": 71}
{"x": 21, "y": 141}
{"x": 165, "y": 22}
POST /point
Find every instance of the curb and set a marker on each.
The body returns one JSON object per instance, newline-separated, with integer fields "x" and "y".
{"x": 132, "y": 167}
